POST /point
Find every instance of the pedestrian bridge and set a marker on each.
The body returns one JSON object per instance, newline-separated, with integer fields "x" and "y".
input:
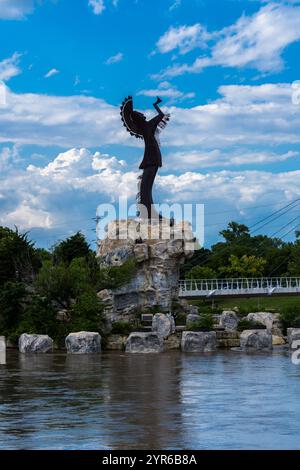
{"x": 239, "y": 287}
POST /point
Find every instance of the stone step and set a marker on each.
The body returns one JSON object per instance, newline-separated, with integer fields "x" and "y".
{"x": 228, "y": 343}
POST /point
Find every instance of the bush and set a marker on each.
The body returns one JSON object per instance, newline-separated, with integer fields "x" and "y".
{"x": 290, "y": 316}
{"x": 86, "y": 313}
{"x": 180, "y": 318}
{"x": 205, "y": 322}
{"x": 245, "y": 324}
{"x": 113, "y": 277}
{"x": 122, "y": 328}
{"x": 39, "y": 317}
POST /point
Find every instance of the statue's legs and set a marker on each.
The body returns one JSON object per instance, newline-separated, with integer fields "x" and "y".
{"x": 146, "y": 200}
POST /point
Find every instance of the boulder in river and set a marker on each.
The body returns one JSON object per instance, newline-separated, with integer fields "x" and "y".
{"x": 35, "y": 343}
{"x": 198, "y": 341}
{"x": 256, "y": 340}
{"x": 144, "y": 342}
{"x": 83, "y": 342}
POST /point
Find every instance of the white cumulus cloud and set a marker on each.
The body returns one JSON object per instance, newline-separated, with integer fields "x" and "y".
{"x": 256, "y": 41}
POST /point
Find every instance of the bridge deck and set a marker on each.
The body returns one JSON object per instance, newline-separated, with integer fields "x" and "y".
{"x": 239, "y": 287}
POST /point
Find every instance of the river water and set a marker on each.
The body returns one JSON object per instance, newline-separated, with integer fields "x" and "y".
{"x": 226, "y": 400}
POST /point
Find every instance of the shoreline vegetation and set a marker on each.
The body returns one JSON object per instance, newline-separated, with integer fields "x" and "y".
{"x": 55, "y": 292}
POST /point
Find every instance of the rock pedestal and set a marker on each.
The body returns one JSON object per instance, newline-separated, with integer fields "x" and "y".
{"x": 158, "y": 251}
{"x": 35, "y": 343}
{"x": 143, "y": 342}
{"x": 198, "y": 341}
{"x": 83, "y": 342}
{"x": 256, "y": 340}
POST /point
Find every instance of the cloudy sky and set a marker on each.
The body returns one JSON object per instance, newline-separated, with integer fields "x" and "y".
{"x": 227, "y": 71}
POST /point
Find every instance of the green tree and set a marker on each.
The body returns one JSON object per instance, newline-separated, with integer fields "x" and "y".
{"x": 12, "y": 298}
{"x": 235, "y": 232}
{"x": 201, "y": 272}
{"x": 246, "y": 266}
{"x": 86, "y": 313}
{"x": 62, "y": 283}
{"x": 73, "y": 247}
{"x": 293, "y": 266}
{"x": 18, "y": 258}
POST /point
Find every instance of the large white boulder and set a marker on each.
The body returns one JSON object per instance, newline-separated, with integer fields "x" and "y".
{"x": 256, "y": 340}
{"x": 2, "y": 344}
{"x": 83, "y": 342}
{"x": 163, "y": 324}
{"x": 2, "y": 350}
{"x": 293, "y": 336}
{"x": 198, "y": 341}
{"x": 35, "y": 343}
{"x": 144, "y": 342}
{"x": 264, "y": 318}
{"x": 229, "y": 320}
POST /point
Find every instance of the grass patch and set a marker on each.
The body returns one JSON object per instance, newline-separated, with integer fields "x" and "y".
{"x": 253, "y": 304}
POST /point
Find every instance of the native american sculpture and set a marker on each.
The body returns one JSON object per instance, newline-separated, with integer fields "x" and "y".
{"x": 136, "y": 123}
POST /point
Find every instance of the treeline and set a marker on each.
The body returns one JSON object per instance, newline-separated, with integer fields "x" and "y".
{"x": 240, "y": 254}
{"x": 52, "y": 292}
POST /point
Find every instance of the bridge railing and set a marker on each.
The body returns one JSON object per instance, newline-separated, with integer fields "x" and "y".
{"x": 240, "y": 284}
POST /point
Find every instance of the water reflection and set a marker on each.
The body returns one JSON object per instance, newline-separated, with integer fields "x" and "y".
{"x": 171, "y": 400}
{"x": 145, "y": 395}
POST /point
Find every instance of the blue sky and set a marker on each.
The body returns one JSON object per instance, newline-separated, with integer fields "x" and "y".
{"x": 225, "y": 69}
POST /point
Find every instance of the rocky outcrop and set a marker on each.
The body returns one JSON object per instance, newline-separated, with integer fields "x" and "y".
{"x": 163, "y": 324}
{"x": 35, "y": 343}
{"x": 158, "y": 251}
{"x": 229, "y": 320}
{"x": 264, "y": 318}
{"x": 83, "y": 342}
{"x": 256, "y": 340}
{"x": 293, "y": 336}
{"x": 116, "y": 342}
{"x": 198, "y": 341}
{"x": 144, "y": 342}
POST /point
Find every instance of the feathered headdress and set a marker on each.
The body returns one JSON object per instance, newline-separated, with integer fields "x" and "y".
{"x": 126, "y": 116}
